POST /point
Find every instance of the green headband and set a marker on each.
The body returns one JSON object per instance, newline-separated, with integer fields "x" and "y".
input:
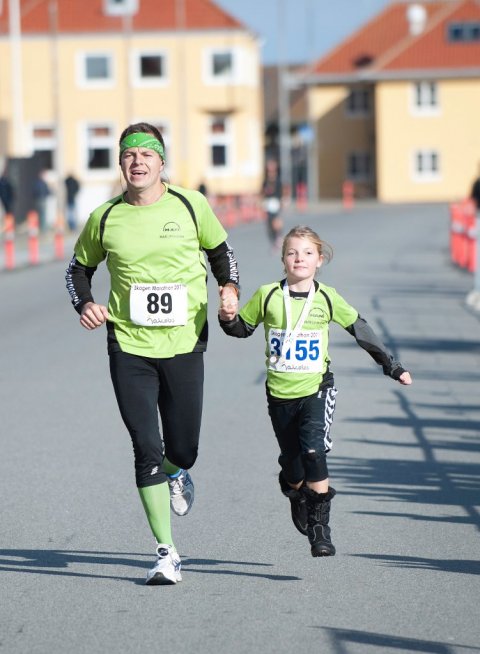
{"x": 142, "y": 140}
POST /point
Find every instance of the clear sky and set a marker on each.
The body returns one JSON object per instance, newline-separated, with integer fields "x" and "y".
{"x": 309, "y": 28}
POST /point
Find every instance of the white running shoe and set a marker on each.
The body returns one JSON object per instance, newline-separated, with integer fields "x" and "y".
{"x": 167, "y": 568}
{"x": 182, "y": 493}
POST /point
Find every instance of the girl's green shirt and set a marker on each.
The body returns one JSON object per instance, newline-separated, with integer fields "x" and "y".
{"x": 267, "y": 306}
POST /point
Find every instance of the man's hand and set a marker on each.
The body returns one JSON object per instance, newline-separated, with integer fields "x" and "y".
{"x": 228, "y": 302}
{"x": 93, "y": 315}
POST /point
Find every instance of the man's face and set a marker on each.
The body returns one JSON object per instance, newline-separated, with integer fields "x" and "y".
{"x": 141, "y": 168}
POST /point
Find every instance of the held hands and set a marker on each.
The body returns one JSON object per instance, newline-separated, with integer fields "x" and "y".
{"x": 228, "y": 308}
{"x": 405, "y": 378}
{"x": 93, "y": 315}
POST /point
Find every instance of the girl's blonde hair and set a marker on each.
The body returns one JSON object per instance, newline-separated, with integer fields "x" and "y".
{"x": 301, "y": 231}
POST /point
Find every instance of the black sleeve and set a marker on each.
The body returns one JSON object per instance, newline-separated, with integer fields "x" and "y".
{"x": 79, "y": 283}
{"x": 223, "y": 265}
{"x": 237, "y": 327}
{"x": 369, "y": 341}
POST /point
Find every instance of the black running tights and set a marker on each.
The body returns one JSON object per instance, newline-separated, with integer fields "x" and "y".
{"x": 174, "y": 387}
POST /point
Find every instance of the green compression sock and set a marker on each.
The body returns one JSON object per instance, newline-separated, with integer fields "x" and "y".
{"x": 156, "y": 502}
{"x": 169, "y": 468}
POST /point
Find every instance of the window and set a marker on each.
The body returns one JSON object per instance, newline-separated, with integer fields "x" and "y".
{"x": 149, "y": 68}
{"x": 219, "y": 142}
{"x": 120, "y": 7}
{"x": 220, "y": 66}
{"x": 359, "y": 166}
{"x": 44, "y": 141}
{"x": 100, "y": 147}
{"x": 466, "y": 32}
{"x": 425, "y": 98}
{"x": 426, "y": 165}
{"x": 95, "y": 70}
{"x": 358, "y": 102}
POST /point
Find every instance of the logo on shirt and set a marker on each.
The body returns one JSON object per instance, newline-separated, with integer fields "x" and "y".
{"x": 171, "y": 227}
{"x": 171, "y": 230}
{"x": 315, "y": 316}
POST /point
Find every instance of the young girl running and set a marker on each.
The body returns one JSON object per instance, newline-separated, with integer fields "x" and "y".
{"x": 296, "y": 313}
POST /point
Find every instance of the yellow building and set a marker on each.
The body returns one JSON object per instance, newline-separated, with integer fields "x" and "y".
{"x": 74, "y": 73}
{"x": 395, "y": 107}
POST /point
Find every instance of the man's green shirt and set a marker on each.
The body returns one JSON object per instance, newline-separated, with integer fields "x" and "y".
{"x": 153, "y": 244}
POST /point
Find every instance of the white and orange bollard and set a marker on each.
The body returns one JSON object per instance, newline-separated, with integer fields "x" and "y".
{"x": 230, "y": 211}
{"x": 9, "y": 241}
{"x": 470, "y": 214}
{"x": 456, "y": 232}
{"x": 347, "y": 194}
{"x": 33, "y": 245}
{"x": 302, "y": 196}
{"x": 59, "y": 238}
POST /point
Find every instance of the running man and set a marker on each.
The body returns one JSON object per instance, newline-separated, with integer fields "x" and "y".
{"x": 153, "y": 238}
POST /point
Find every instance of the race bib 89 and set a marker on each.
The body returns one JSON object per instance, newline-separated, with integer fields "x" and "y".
{"x": 158, "y": 305}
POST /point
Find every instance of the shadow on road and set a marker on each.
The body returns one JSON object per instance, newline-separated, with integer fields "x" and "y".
{"x": 462, "y": 566}
{"x": 342, "y": 641}
{"x": 429, "y": 481}
{"x": 56, "y": 562}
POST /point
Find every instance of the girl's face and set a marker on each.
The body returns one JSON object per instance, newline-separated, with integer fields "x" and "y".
{"x": 301, "y": 259}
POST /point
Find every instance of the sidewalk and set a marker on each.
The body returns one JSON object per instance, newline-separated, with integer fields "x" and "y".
{"x": 48, "y": 250}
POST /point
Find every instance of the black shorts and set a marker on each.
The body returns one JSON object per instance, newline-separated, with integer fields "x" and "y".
{"x": 174, "y": 387}
{"x": 302, "y": 428}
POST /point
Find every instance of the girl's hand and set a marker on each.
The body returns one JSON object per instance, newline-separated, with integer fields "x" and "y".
{"x": 405, "y": 378}
{"x": 228, "y": 303}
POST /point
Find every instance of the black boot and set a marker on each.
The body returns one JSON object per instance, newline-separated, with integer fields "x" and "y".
{"x": 298, "y": 505}
{"x": 318, "y": 531}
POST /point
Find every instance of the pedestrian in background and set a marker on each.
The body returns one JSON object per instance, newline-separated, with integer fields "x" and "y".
{"x": 296, "y": 313}
{"x": 272, "y": 203}
{"x": 154, "y": 237}
{"x": 475, "y": 193}
{"x": 72, "y": 187}
{"x": 40, "y": 193}
{"x": 7, "y": 193}
{"x": 202, "y": 188}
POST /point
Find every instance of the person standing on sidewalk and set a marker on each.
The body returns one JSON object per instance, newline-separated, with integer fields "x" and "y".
{"x": 475, "y": 193}
{"x": 272, "y": 203}
{"x": 473, "y": 297}
{"x": 40, "y": 192}
{"x": 296, "y": 313}
{"x": 7, "y": 193}
{"x": 153, "y": 238}
{"x": 72, "y": 188}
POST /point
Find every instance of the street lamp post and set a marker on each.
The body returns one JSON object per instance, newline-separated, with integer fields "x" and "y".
{"x": 15, "y": 36}
{"x": 59, "y": 153}
{"x": 283, "y": 103}
{"x": 181, "y": 24}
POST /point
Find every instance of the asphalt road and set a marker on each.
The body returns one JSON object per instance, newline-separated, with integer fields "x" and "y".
{"x": 74, "y": 543}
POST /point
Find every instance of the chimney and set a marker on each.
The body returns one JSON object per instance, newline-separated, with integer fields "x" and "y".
{"x": 416, "y": 18}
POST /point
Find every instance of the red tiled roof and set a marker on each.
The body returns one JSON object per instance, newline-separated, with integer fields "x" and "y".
{"x": 385, "y": 44}
{"x": 88, "y": 16}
